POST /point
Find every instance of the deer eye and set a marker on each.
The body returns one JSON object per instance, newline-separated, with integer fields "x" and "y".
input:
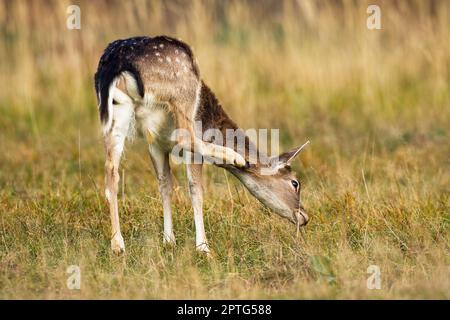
{"x": 294, "y": 184}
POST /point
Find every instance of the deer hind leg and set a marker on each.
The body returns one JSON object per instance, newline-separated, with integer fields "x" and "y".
{"x": 114, "y": 140}
{"x": 191, "y": 137}
{"x": 161, "y": 164}
{"x": 194, "y": 174}
{"x": 217, "y": 154}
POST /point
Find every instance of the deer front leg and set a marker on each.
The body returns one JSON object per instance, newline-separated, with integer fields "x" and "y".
{"x": 161, "y": 164}
{"x": 194, "y": 175}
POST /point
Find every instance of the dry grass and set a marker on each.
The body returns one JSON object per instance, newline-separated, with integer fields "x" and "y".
{"x": 375, "y": 105}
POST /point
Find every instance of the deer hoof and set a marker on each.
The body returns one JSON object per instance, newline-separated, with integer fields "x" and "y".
{"x": 239, "y": 161}
{"x": 203, "y": 248}
{"x": 169, "y": 240}
{"x": 118, "y": 245}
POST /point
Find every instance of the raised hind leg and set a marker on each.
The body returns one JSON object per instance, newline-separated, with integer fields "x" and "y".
{"x": 190, "y": 138}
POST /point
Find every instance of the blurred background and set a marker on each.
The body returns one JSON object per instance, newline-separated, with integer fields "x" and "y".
{"x": 309, "y": 67}
{"x": 374, "y": 103}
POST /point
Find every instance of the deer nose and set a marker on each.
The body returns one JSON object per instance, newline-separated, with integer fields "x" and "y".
{"x": 302, "y": 216}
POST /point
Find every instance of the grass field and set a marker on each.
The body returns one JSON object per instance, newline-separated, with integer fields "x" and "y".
{"x": 374, "y": 103}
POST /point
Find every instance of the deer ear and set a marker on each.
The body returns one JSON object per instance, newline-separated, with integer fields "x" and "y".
{"x": 286, "y": 158}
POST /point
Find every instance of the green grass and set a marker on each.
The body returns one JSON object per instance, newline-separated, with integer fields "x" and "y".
{"x": 375, "y": 177}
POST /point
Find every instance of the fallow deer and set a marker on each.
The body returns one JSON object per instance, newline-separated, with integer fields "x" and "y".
{"x": 155, "y": 83}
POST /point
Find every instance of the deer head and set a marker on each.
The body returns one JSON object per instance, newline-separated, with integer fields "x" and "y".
{"x": 274, "y": 184}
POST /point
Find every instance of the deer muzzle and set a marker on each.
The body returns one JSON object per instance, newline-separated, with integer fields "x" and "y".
{"x": 301, "y": 217}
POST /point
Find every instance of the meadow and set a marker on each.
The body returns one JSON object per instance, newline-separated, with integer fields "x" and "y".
{"x": 375, "y": 105}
